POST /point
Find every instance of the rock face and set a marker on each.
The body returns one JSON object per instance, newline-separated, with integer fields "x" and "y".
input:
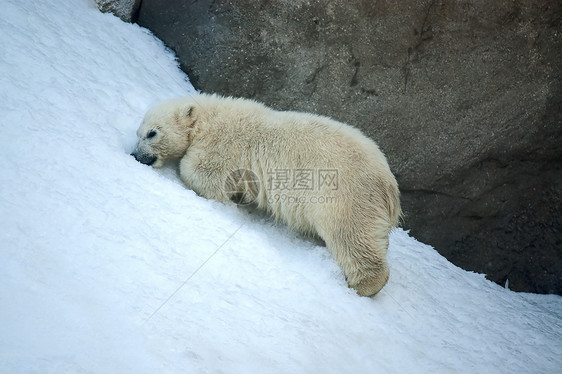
{"x": 124, "y": 9}
{"x": 464, "y": 97}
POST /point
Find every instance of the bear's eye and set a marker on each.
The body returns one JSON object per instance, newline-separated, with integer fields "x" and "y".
{"x": 151, "y": 134}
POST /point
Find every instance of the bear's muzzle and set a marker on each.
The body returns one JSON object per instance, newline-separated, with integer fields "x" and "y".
{"x": 144, "y": 158}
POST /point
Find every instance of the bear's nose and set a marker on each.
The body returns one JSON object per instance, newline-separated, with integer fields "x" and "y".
{"x": 144, "y": 158}
{"x": 149, "y": 160}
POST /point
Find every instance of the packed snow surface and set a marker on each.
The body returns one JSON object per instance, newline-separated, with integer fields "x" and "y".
{"x": 110, "y": 266}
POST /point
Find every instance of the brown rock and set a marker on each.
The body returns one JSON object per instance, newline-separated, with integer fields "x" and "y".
{"x": 124, "y": 9}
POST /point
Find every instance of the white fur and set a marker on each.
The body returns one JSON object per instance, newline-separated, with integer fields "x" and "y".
{"x": 215, "y": 136}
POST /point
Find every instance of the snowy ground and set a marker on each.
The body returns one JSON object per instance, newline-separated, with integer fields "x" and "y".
{"x": 109, "y": 266}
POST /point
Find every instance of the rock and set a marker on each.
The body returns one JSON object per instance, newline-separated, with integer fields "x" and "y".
{"x": 124, "y": 9}
{"x": 464, "y": 97}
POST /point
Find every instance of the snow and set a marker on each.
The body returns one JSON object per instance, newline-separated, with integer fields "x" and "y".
{"x": 110, "y": 266}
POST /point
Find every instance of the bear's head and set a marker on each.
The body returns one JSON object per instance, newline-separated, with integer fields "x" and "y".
{"x": 164, "y": 133}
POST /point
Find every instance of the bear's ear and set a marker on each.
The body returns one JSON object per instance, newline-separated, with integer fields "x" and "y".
{"x": 184, "y": 116}
{"x": 187, "y": 111}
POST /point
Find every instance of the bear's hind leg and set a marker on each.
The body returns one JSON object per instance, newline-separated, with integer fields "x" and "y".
{"x": 361, "y": 258}
{"x": 371, "y": 274}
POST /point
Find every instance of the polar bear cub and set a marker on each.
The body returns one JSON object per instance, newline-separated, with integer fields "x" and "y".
{"x": 319, "y": 176}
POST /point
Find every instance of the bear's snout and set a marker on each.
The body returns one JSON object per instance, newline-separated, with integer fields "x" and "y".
{"x": 144, "y": 158}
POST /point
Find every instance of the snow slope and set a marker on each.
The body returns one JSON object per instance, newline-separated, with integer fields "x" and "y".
{"x": 109, "y": 266}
